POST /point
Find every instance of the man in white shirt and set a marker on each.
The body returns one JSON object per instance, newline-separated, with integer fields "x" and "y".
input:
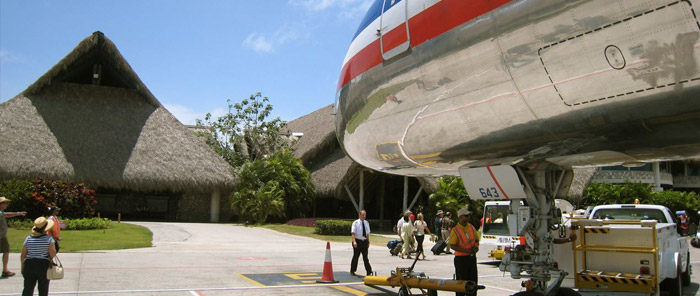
{"x": 360, "y": 243}
{"x": 399, "y": 224}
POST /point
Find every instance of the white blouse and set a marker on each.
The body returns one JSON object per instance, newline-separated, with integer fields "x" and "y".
{"x": 420, "y": 227}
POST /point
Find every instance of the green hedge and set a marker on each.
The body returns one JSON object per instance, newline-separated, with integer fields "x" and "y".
{"x": 333, "y": 227}
{"x": 71, "y": 224}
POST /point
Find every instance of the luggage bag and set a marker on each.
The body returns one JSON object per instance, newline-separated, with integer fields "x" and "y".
{"x": 439, "y": 247}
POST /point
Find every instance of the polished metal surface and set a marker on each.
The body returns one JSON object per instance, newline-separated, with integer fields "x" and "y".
{"x": 576, "y": 83}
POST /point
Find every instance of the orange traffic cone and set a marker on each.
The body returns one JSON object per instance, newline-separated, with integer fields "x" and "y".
{"x": 327, "y": 267}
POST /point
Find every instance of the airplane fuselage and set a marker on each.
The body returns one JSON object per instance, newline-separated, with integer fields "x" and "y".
{"x": 429, "y": 86}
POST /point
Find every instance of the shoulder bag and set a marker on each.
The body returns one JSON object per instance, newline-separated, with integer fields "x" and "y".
{"x": 55, "y": 271}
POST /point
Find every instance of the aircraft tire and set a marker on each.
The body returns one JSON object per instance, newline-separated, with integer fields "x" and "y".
{"x": 567, "y": 292}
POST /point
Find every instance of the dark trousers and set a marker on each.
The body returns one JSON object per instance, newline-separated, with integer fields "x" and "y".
{"x": 362, "y": 247}
{"x": 34, "y": 272}
{"x": 419, "y": 249}
{"x": 465, "y": 269}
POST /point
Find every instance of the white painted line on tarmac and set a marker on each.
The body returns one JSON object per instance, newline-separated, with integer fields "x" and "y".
{"x": 198, "y": 289}
{"x": 501, "y": 289}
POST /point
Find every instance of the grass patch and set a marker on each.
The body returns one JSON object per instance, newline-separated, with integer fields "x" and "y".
{"x": 118, "y": 236}
{"x": 309, "y": 232}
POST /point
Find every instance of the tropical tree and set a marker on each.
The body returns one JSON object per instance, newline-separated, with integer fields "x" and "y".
{"x": 277, "y": 186}
{"x": 245, "y": 133}
{"x": 451, "y": 195}
{"x": 271, "y": 181}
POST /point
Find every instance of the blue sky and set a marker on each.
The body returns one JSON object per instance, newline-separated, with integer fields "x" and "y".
{"x": 192, "y": 55}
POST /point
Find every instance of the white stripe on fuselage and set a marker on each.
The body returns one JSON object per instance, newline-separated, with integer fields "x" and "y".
{"x": 393, "y": 18}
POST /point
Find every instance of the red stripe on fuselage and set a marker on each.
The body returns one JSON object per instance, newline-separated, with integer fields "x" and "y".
{"x": 430, "y": 23}
{"x": 394, "y": 38}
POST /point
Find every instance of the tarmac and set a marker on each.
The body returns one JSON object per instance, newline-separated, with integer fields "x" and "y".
{"x": 228, "y": 259}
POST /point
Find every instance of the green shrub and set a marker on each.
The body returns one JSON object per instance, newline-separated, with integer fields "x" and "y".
{"x": 19, "y": 223}
{"x": 333, "y": 227}
{"x": 71, "y": 224}
{"x": 87, "y": 223}
{"x": 19, "y": 192}
{"x": 76, "y": 200}
{"x": 606, "y": 193}
{"x": 678, "y": 200}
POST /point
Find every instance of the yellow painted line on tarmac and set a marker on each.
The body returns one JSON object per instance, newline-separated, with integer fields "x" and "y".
{"x": 305, "y": 278}
{"x": 350, "y": 290}
{"x": 254, "y": 282}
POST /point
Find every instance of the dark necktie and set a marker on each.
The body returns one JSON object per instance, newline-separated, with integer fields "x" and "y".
{"x": 364, "y": 231}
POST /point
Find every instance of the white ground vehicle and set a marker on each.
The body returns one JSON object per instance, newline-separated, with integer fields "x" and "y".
{"x": 627, "y": 250}
{"x": 494, "y": 230}
{"x": 495, "y": 234}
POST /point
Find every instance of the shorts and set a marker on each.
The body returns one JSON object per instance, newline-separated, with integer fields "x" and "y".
{"x": 4, "y": 245}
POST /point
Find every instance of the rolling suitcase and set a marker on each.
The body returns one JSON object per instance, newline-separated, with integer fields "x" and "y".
{"x": 397, "y": 249}
{"x": 392, "y": 246}
{"x": 439, "y": 247}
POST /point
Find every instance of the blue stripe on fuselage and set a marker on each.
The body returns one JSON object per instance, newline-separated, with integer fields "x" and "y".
{"x": 375, "y": 10}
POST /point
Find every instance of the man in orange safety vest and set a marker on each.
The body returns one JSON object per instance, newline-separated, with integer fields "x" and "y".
{"x": 464, "y": 240}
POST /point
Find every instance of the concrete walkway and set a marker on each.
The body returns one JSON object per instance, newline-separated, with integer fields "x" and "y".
{"x": 225, "y": 259}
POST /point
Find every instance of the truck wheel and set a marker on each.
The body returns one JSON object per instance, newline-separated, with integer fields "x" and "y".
{"x": 403, "y": 291}
{"x": 674, "y": 286}
{"x": 685, "y": 278}
{"x": 432, "y": 293}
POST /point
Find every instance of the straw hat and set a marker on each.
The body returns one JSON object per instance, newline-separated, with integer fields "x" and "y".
{"x": 3, "y": 199}
{"x": 41, "y": 224}
{"x": 464, "y": 212}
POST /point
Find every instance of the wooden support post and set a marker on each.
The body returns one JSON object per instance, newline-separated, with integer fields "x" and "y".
{"x": 405, "y": 193}
{"x": 215, "y": 206}
{"x": 352, "y": 198}
{"x": 362, "y": 190}
{"x": 415, "y": 198}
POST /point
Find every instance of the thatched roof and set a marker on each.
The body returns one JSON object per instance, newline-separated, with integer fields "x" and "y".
{"x": 582, "y": 177}
{"x": 319, "y": 133}
{"x": 320, "y": 152}
{"x": 108, "y": 132}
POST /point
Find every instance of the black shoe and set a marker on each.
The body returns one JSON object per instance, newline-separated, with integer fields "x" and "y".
{"x": 369, "y": 273}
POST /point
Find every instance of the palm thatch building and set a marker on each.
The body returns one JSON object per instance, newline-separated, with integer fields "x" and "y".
{"x": 91, "y": 119}
{"x": 343, "y": 186}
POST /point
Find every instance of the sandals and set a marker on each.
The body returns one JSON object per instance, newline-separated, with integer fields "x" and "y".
{"x": 7, "y": 273}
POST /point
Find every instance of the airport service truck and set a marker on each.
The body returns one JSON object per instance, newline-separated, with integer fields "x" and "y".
{"x": 627, "y": 249}
{"x": 494, "y": 226}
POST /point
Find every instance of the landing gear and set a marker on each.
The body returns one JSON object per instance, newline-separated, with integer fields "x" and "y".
{"x": 543, "y": 182}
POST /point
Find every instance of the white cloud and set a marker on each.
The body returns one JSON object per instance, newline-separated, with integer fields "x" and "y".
{"x": 340, "y": 9}
{"x": 267, "y": 44}
{"x": 8, "y": 57}
{"x": 188, "y": 116}
{"x": 258, "y": 43}
{"x": 345, "y": 9}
